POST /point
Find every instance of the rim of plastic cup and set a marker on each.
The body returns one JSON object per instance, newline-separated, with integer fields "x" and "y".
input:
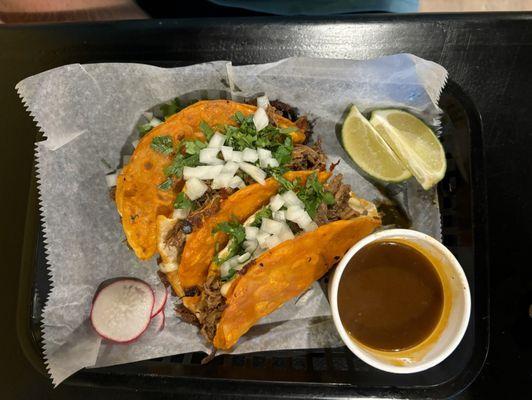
{"x": 355, "y": 347}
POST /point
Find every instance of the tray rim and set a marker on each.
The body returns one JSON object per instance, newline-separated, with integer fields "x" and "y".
{"x": 480, "y": 231}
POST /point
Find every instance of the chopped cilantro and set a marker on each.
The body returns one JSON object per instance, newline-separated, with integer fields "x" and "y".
{"x": 312, "y": 194}
{"x": 162, "y": 144}
{"x": 283, "y": 153}
{"x": 237, "y": 235}
{"x": 179, "y": 162}
{"x": 144, "y": 129}
{"x": 194, "y": 146}
{"x": 170, "y": 108}
{"x": 182, "y": 201}
{"x": 206, "y": 129}
{"x": 265, "y": 212}
{"x": 166, "y": 184}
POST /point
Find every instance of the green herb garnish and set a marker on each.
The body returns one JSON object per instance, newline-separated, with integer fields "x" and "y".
{"x": 194, "y": 146}
{"x": 182, "y": 201}
{"x": 163, "y": 144}
{"x": 170, "y": 108}
{"x": 206, "y": 129}
{"x": 166, "y": 184}
{"x": 144, "y": 129}
{"x": 265, "y": 212}
{"x": 283, "y": 153}
{"x": 237, "y": 235}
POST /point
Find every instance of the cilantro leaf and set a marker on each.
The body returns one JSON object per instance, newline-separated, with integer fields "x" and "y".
{"x": 144, "y": 129}
{"x": 283, "y": 154}
{"x": 265, "y": 212}
{"x": 285, "y": 183}
{"x": 162, "y": 144}
{"x": 166, "y": 184}
{"x": 179, "y": 162}
{"x": 206, "y": 129}
{"x": 313, "y": 194}
{"x": 182, "y": 201}
{"x": 194, "y": 146}
{"x": 237, "y": 235}
{"x": 170, "y": 108}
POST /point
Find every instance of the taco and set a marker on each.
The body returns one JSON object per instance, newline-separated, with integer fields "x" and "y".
{"x": 277, "y": 253}
{"x": 148, "y": 185}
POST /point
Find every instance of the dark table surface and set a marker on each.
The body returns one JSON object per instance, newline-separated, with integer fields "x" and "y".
{"x": 488, "y": 55}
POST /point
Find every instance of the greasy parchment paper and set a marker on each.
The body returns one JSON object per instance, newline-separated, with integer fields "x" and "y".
{"x": 88, "y": 113}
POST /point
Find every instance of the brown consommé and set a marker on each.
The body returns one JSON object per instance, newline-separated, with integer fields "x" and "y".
{"x": 390, "y": 296}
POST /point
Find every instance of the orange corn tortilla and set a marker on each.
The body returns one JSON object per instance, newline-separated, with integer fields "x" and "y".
{"x": 284, "y": 272}
{"x": 138, "y": 199}
{"x": 201, "y": 244}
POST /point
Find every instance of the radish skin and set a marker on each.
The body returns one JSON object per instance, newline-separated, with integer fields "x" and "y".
{"x": 121, "y": 311}
{"x": 161, "y": 295}
{"x": 159, "y": 321}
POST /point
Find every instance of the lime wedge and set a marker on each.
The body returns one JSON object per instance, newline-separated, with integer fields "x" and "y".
{"x": 414, "y": 143}
{"x": 369, "y": 151}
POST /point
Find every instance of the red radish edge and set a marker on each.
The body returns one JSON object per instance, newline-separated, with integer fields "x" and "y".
{"x": 159, "y": 321}
{"x": 161, "y": 295}
{"x": 103, "y": 289}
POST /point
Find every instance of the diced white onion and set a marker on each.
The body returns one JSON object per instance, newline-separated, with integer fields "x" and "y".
{"x": 294, "y": 213}
{"x": 209, "y": 155}
{"x": 276, "y": 202}
{"x": 180, "y": 213}
{"x": 225, "y": 288}
{"x": 125, "y": 159}
{"x": 271, "y": 226}
{"x": 250, "y": 245}
{"x": 203, "y": 172}
{"x": 279, "y": 215}
{"x": 260, "y": 119}
{"x": 221, "y": 181}
{"x": 272, "y": 241}
{"x": 168, "y": 267}
{"x": 230, "y": 168}
{"x": 311, "y": 226}
{"x": 244, "y": 257}
{"x": 194, "y": 188}
{"x": 154, "y": 122}
{"x": 237, "y": 156}
{"x": 148, "y": 115}
{"x": 217, "y": 140}
{"x": 227, "y": 152}
{"x": 261, "y": 239}
{"x": 255, "y": 172}
{"x": 263, "y": 102}
{"x": 251, "y": 232}
{"x": 272, "y": 162}
{"x": 291, "y": 199}
{"x": 286, "y": 233}
{"x": 264, "y": 156}
{"x": 111, "y": 179}
{"x": 250, "y": 155}
{"x": 135, "y": 143}
{"x": 237, "y": 182}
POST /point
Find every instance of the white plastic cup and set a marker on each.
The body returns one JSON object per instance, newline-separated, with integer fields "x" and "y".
{"x": 455, "y": 315}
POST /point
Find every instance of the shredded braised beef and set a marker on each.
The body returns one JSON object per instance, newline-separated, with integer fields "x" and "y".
{"x": 186, "y": 315}
{"x": 340, "y": 209}
{"x": 305, "y": 157}
{"x": 211, "y": 307}
{"x": 176, "y": 237}
{"x": 207, "y": 205}
{"x": 284, "y": 109}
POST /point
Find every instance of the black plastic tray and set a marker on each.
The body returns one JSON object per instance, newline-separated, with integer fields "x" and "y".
{"x": 316, "y": 372}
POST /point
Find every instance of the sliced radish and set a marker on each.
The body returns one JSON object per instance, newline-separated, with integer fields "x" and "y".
{"x": 161, "y": 295}
{"x": 158, "y": 321}
{"x": 121, "y": 311}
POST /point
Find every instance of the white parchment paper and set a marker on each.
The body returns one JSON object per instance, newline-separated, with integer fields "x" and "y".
{"x": 88, "y": 114}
